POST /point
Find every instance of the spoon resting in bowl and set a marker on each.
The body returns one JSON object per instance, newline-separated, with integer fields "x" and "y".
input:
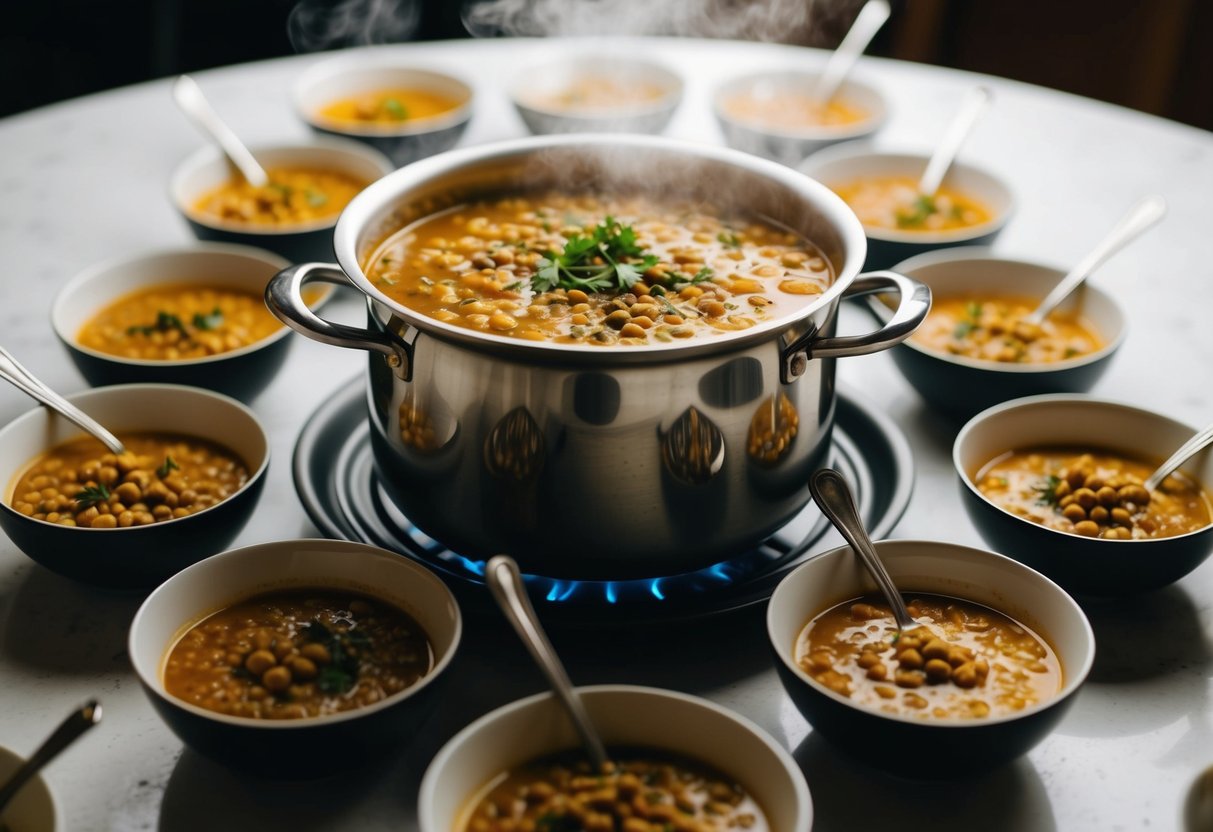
{"x": 77, "y": 722}
{"x": 504, "y": 579}
{"x": 193, "y": 103}
{"x": 1183, "y": 453}
{"x": 842, "y": 60}
{"x": 953, "y": 139}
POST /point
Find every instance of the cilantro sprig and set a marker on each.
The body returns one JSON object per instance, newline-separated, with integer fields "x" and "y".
{"x": 1046, "y": 491}
{"x": 91, "y": 495}
{"x": 609, "y": 258}
{"x": 341, "y": 673}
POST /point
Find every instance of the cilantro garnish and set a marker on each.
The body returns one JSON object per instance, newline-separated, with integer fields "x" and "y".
{"x": 208, "y": 322}
{"x": 1046, "y": 491}
{"x": 917, "y": 212}
{"x": 91, "y": 495}
{"x": 607, "y": 259}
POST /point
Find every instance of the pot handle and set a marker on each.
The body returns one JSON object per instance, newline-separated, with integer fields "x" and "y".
{"x": 914, "y": 301}
{"x": 284, "y": 297}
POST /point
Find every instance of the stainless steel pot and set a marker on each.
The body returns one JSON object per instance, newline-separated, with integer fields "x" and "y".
{"x": 586, "y": 462}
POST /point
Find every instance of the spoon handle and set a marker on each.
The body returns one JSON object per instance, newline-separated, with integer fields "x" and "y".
{"x": 1141, "y": 216}
{"x": 833, "y": 496}
{"x": 505, "y": 582}
{"x": 1186, "y": 450}
{"x": 958, "y": 130}
{"x": 15, "y": 374}
{"x": 77, "y": 723}
{"x": 867, "y": 23}
{"x": 193, "y": 103}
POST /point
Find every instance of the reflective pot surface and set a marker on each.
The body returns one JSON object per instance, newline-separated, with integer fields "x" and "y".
{"x": 591, "y": 462}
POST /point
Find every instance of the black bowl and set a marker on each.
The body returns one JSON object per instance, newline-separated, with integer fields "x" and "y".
{"x": 963, "y": 386}
{"x": 314, "y": 746}
{"x": 1083, "y": 565}
{"x": 135, "y": 556}
{"x": 914, "y": 747}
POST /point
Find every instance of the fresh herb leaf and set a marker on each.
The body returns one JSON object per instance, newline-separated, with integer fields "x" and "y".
{"x": 165, "y": 322}
{"x": 1046, "y": 491}
{"x": 973, "y": 311}
{"x": 91, "y": 495}
{"x": 609, "y": 258}
{"x": 285, "y": 190}
{"x": 703, "y": 274}
{"x": 963, "y": 329}
{"x": 914, "y": 215}
{"x": 208, "y": 322}
{"x": 315, "y": 198}
{"x": 512, "y": 287}
{"x": 333, "y": 679}
{"x": 728, "y": 239}
{"x": 395, "y": 109}
{"x": 170, "y": 464}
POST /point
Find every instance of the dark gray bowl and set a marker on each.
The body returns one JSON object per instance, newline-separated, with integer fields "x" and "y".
{"x": 315, "y": 746}
{"x": 847, "y": 162}
{"x": 940, "y": 749}
{"x": 241, "y": 373}
{"x": 359, "y": 72}
{"x": 136, "y": 556}
{"x": 303, "y": 243}
{"x": 1086, "y": 566}
{"x": 963, "y": 386}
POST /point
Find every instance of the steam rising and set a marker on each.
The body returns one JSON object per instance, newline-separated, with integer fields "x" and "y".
{"x": 322, "y": 24}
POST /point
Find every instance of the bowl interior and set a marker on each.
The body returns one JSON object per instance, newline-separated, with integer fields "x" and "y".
{"x": 222, "y": 580}
{"x": 786, "y": 81}
{"x": 946, "y": 569}
{"x": 974, "y": 272}
{"x": 534, "y": 86}
{"x": 625, "y": 716}
{"x": 207, "y": 169}
{"x": 225, "y": 266}
{"x": 341, "y": 78}
{"x": 137, "y": 407}
{"x": 837, "y": 166}
{"x": 33, "y": 809}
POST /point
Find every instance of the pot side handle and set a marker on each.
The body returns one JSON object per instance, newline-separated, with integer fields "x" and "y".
{"x": 284, "y": 297}
{"x": 914, "y": 301}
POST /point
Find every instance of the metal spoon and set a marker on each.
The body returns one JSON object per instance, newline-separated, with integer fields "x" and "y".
{"x": 21, "y": 378}
{"x": 505, "y": 581}
{"x": 77, "y": 722}
{"x": 833, "y": 496}
{"x": 1141, "y": 216}
{"x": 193, "y": 103}
{"x": 867, "y": 23}
{"x": 1185, "y": 452}
{"x": 958, "y": 130}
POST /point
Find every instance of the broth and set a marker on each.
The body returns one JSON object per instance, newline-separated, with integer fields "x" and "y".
{"x": 893, "y": 202}
{"x": 994, "y": 329}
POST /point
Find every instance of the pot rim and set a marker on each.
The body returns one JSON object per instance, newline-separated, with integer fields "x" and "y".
{"x": 371, "y": 202}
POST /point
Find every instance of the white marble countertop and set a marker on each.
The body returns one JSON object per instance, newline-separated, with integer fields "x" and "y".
{"x": 86, "y": 180}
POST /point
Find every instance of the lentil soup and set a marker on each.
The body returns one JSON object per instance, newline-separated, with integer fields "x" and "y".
{"x": 965, "y": 661}
{"x": 791, "y": 110}
{"x": 598, "y": 271}
{"x": 639, "y": 791}
{"x": 160, "y": 477}
{"x": 293, "y": 196}
{"x": 390, "y": 107}
{"x": 298, "y": 653}
{"x": 894, "y": 203}
{"x": 1093, "y": 493}
{"x": 994, "y": 329}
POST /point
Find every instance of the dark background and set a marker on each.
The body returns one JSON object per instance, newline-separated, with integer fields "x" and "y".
{"x": 1152, "y": 55}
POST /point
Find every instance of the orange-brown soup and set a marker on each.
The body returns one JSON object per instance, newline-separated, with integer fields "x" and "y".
{"x": 995, "y": 329}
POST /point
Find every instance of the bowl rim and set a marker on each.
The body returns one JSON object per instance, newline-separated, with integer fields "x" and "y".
{"x": 37, "y": 783}
{"x": 119, "y": 390}
{"x": 341, "y": 548}
{"x": 859, "y": 149}
{"x": 986, "y": 253}
{"x": 842, "y": 132}
{"x": 671, "y": 82}
{"x": 337, "y": 65}
{"x": 1073, "y": 681}
{"x": 1044, "y": 400}
{"x": 429, "y": 780}
{"x": 211, "y": 154}
{"x": 96, "y": 270}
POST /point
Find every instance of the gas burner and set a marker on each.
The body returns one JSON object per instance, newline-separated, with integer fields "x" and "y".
{"x": 337, "y": 484}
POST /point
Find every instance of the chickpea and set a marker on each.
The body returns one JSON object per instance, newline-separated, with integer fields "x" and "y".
{"x": 317, "y": 653}
{"x": 1087, "y": 528}
{"x": 910, "y": 659}
{"x": 259, "y": 661}
{"x": 938, "y": 670}
{"x": 1074, "y": 513}
{"x": 276, "y": 679}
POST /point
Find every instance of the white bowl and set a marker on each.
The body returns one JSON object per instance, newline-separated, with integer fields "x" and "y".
{"x": 625, "y": 716}
{"x": 33, "y": 809}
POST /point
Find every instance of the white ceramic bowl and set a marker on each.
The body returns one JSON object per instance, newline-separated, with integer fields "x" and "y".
{"x": 791, "y": 145}
{"x": 940, "y": 748}
{"x": 314, "y": 746}
{"x": 625, "y": 716}
{"x": 550, "y": 78}
{"x": 356, "y": 73}
{"x": 33, "y": 809}
{"x": 845, "y": 163}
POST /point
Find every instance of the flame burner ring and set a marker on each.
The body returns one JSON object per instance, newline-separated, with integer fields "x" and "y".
{"x": 337, "y": 485}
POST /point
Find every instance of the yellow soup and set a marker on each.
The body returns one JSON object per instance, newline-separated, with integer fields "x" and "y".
{"x": 792, "y": 110}
{"x": 964, "y": 661}
{"x": 1093, "y": 493}
{"x": 994, "y": 329}
{"x": 387, "y": 107}
{"x": 598, "y": 93}
{"x": 894, "y": 202}
{"x": 599, "y": 271}
{"x": 293, "y": 196}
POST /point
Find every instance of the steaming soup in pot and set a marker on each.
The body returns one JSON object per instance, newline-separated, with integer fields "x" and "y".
{"x": 598, "y": 270}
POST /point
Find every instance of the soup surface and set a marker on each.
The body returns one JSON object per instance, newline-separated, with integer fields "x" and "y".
{"x": 964, "y": 661}
{"x": 1093, "y": 493}
{"x": 994, "y": 329}
{"x": 893, "y": 202}
{"x": 792, "y": 110}
{"x": 596, "y": 94}
{"x": 640, "y": 791}
{"x": 298, "y": 653}
{"x": 387, "y": 107}
{"x": 584, "y": 269}
{"x": 162, "y": 476}
{"x": 293, "y": 196}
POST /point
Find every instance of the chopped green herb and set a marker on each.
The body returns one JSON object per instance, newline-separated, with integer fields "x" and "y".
{"x": 1046, "y": 491}
{"x": 341, "y": 673}
{"x": 285, "y": 190}
{"x": 512, "y": 287}
{"x": 963, "y": 329}
{"x": 395, "y": 109}
{"x": 208, "y": 322}
{"x": 91, "y": 495}
{"x": 315, "y": 198}
{"x": 165, "y": 322}
{"x": 917, "y": 212}
{"x": 170, "y": 464}
{"x": 973, "y": 311}
{"x": 728, "y": 239}
{"x": 596, "y": 262}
